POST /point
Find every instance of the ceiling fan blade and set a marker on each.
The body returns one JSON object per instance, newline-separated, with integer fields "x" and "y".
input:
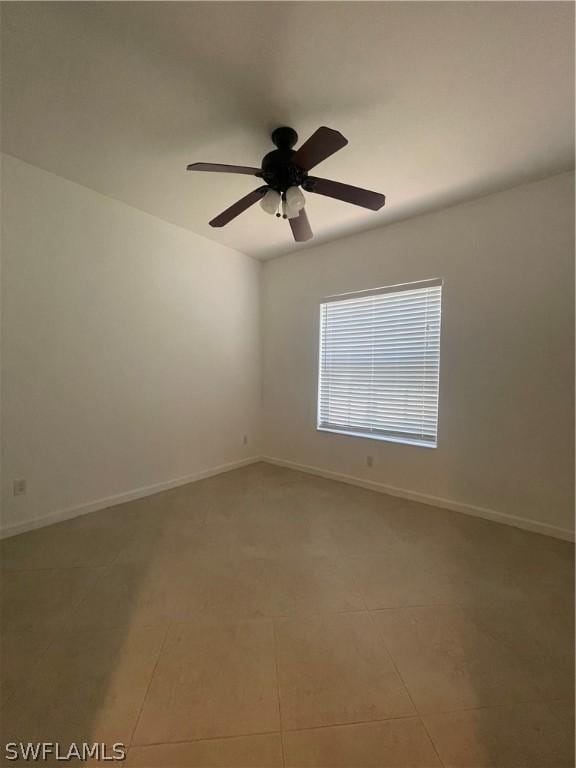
{"x": 300, "y": 227}
{"x": 219, "y": 168}
{"x": 323, "y": 143}
{"x": 345, "y": 192}
{"x": 238, "y": 207}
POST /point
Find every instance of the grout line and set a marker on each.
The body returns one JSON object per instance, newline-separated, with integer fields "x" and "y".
{"x": 416, "y": 710}
{"x": 85, "y": 596}
{"x": 207, "y": 618}
{"x": 410, "y": 606}
{"x": 434, "y": 747}
{"x": 272, "y": 733}
{"x": 137, "y": 720}
{"x": 523, "y": 702}
{"x": 203, "y": 739}
{"x": 344, "y": 723}
{"x": 278, "y": 693}
{"x": 355, "y": 583}
{"x": 509, "y": 705}
{"x": 7, "y": 569}
{"x": 285, "y": 730}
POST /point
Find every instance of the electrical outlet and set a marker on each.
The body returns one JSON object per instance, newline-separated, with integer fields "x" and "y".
{"x": 245, "y": 440}
{"x": 369, "y": 461}
{"x": 19, "y": 487}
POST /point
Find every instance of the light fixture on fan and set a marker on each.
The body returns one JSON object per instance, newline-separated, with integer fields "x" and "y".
{"x": 291, "y": 202}
{"x": 271, "y": 202}
{"x": 294, "y": 202}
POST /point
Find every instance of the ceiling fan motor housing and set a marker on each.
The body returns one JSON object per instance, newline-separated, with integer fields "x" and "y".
{"x": 278, "y": 170}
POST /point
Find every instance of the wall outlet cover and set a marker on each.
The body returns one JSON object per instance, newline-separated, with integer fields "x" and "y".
{"x": 19, "y": 487}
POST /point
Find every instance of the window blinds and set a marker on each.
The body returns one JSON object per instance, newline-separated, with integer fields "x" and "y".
{"x": 380, "y": 363}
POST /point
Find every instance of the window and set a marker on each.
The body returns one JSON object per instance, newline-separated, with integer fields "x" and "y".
{"x": 380, "y": 363}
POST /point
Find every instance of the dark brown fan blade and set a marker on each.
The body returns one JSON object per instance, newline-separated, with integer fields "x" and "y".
{"x": 354, "y": 195}
{"x": 219, "y": 168}
{"x": 323, "y": 143}
{"x": 300, "y": 227}
{"x": 239, "y": 207}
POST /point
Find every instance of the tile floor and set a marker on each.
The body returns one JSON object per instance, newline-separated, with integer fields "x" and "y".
{"x": 268, "y": 618}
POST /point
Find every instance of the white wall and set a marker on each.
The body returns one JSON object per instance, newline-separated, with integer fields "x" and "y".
{"x": 130, "y": 348}
{"x": 506, "y": 389}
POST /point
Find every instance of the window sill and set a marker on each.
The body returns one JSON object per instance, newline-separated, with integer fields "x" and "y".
{"x": 382, "y": 438}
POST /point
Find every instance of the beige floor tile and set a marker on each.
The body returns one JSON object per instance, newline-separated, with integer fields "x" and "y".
{"x": 65, "y": 545}
{"x": 83, "y": 606}
{"x": 89, "y": 686}
{"x": 339, "y": 501}
{"x": 390, "y": 744}
{"x": 372, "y": 528}
{"x": 429, "y": 572}
{"x": 334, "y": 669}
{"x": 413, "y": 521}
{"x": 395, "y": 579}
{"x": 310, "y": 585}
{"x": 268, "y": 529}
{"x": 539, "y": 635}
{"x": 264, "y": 751}
{"x": 212, "y": 680}
{"x": 171, "y": 542}
{"x": 43, "y": 598}
{"x": 218, "y": 587}
{"x": 388, "y": 520}
{"x": 448, "y": 661}
{"x": 174, "y": 532}
{"x": 544, "y": 567}
{"x": 20, "y": 653}
{"x": 97, "y": 538}
{"x": 364, "y": 534}
{"x": 137, "y": 594}
{"x": 273, "y": 587}
{"x": 525, "y": 736}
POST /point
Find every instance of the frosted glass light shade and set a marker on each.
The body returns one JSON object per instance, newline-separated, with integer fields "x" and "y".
{"x": 270, "y": 202}
{"x": 295, "y": 201}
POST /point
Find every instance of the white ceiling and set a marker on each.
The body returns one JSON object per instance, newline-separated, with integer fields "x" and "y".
{"x": 440, "y": 101}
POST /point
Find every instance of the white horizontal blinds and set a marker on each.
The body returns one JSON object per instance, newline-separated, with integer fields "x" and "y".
{"x": 380, "y": 361}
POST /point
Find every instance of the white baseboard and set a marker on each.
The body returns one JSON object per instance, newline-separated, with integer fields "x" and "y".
{"x": 111, "y": 501}
{"x": 457, "y": 506}
{"x": 435, "y": 501}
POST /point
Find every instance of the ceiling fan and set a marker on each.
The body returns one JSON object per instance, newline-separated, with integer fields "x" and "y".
{"x": 285, "y": 170}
